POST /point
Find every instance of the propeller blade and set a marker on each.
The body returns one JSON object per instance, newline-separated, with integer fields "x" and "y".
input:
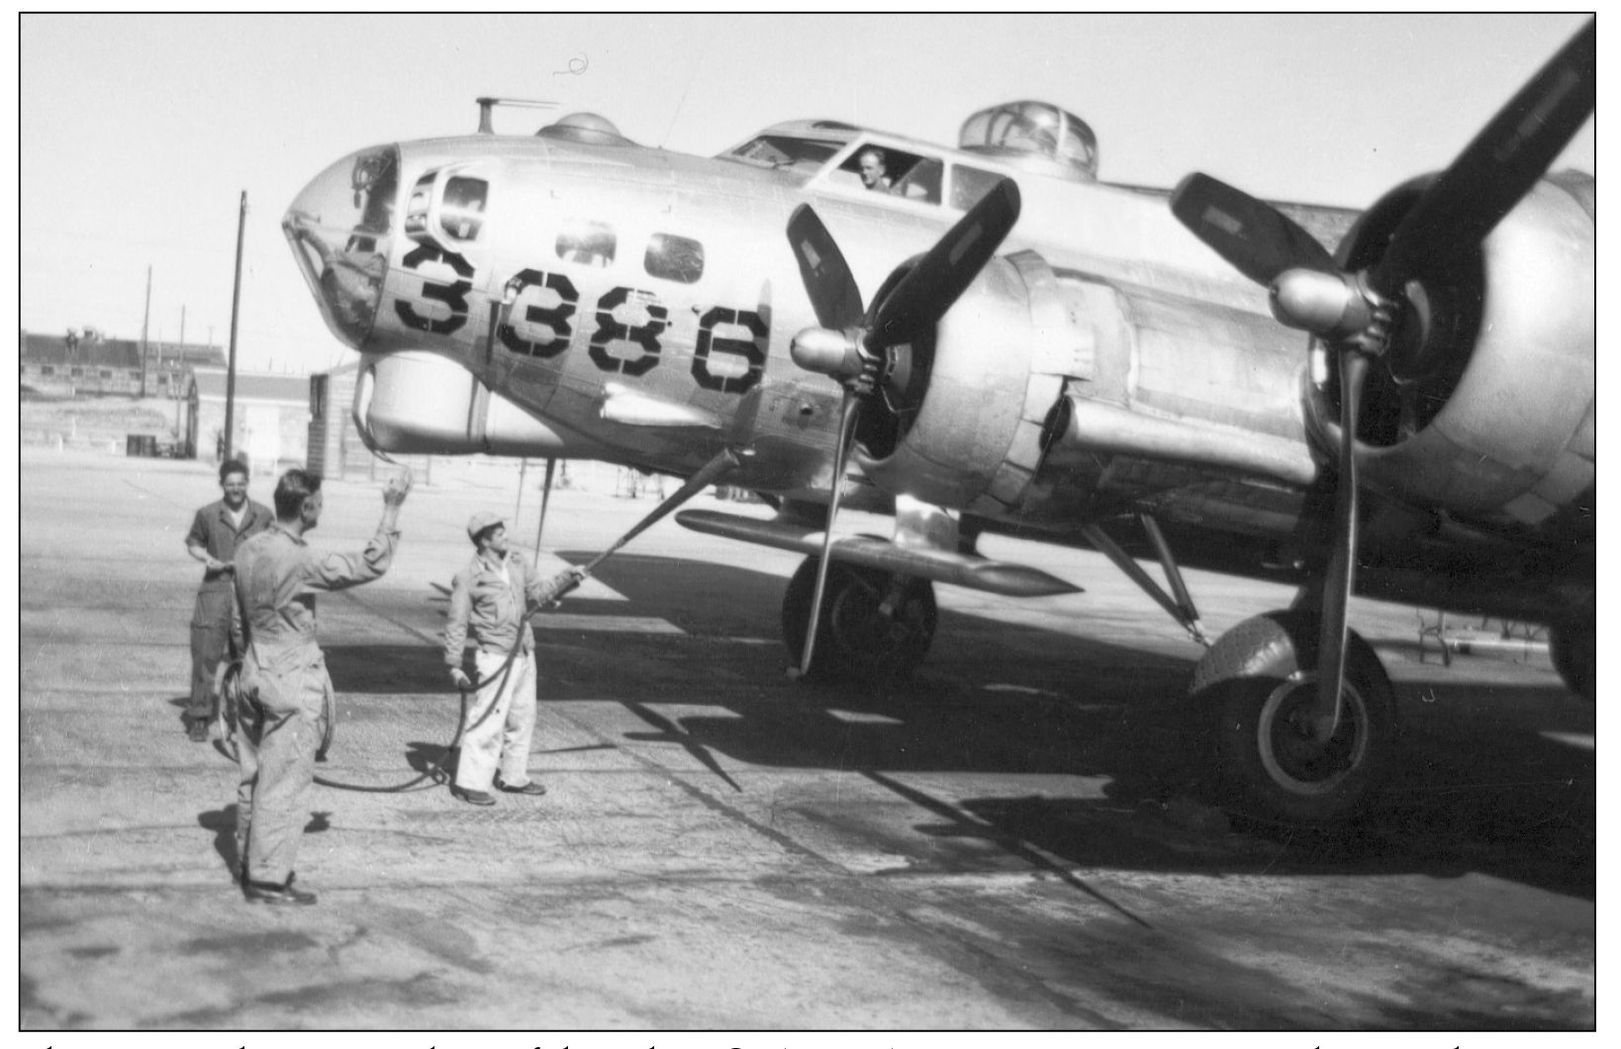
{"x": 1342, "y": 561}
{"x": 1498, "y": 167}
{"x": 841, "y": 458}
{"x": 928, "y": 290}
{"x": 1255, "y": 238}
{"x": 832, "y": 290}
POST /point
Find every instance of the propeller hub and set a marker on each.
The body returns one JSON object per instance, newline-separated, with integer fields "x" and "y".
{"x": 1312, "y": 300}
{"x": 1337, "y": 306}
{"x": 828, "y": 352}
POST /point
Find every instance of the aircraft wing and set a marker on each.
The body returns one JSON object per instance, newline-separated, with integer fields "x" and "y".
{"x": 941, "y": 566}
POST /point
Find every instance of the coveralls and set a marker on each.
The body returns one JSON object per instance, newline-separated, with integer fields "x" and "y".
{"x": 488, "y": 601}
{"x": 212, "y": 530}
{"x": 284, "y": 670}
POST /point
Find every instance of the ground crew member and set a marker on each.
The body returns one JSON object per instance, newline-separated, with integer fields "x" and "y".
{"x": 490, "y": 599}
{"x": 216, "y": 530}
{"x": 287, "y": 693}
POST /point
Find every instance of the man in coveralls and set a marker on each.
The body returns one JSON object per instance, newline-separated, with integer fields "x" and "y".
{"x": 287, "y": 694}
{"x": 491, "y": 599}
{"x": 215, "y": 532}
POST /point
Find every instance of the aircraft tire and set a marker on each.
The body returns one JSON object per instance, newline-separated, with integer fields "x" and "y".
{"x": 854, "y": 642}
{"x": 1573, "y": 647}
{"x": 1251, "y": 683}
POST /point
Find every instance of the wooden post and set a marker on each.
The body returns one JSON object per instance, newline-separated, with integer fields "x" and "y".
{"x": 236, "y": 299}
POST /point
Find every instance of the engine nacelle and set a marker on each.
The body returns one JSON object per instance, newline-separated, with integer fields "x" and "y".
{"x": 1497, "y": 426}
{"x": 995, "y": 364}
{"x": 421, "y": 403}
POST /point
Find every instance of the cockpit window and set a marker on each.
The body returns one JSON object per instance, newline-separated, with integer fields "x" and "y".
{"x": 921, "y": 182}
{"x": 895, "y": 172}
{"x": 968, "y": 185}
{"x": 783, "y": 151}
{"x": 587, "y": 243}
{"x": 462, "y": 214}
{"x": 674, "y": 258}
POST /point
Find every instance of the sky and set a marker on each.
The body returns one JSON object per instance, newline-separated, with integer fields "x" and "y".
{"x": 138, "y": 134}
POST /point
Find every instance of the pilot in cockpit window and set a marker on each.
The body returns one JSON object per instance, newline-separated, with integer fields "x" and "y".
{"x": 875, "y": 169}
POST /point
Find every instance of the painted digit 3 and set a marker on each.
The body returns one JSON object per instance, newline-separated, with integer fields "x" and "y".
{"x": 554, "y": 317}
{"x": 453, "y": 296}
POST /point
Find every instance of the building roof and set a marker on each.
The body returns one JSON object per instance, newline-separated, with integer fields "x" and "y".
{"x": 291, "y": 389}
{"x": 93, "y": 353}
{"x": 98, "y": 352}
{"x": 349, "y": 364}
{"x": 188, "y": 353}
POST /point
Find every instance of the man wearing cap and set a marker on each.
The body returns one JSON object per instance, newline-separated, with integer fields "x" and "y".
{"x": 490, "y": 602}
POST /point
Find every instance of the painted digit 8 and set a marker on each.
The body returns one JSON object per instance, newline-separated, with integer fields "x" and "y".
{"x": 644, "y": 335}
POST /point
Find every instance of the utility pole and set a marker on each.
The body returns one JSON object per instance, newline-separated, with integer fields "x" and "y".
{"x": 145, "y": 318}
{"x": 236, "y": 299}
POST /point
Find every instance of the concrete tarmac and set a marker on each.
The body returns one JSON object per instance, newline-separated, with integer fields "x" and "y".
{"x": 1012, "y": 841}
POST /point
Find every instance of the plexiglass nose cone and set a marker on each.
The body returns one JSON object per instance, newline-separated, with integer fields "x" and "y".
{"x": 340, "y": 227}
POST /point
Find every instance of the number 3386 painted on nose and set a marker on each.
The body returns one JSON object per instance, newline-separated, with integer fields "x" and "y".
{"x": 546, "y": 309}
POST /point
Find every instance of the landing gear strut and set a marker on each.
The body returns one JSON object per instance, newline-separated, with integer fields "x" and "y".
{"x": 1274, "y": 749}
{"x": 874, "y": 625}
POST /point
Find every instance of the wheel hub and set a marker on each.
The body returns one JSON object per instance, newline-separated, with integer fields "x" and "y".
{"x": 1292, "y": 744}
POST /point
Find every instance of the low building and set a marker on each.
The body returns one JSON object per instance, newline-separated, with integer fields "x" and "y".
{"x": 86, "y": 363}
{"x": 334, "y": 442}
{"x": 270, "y": 418}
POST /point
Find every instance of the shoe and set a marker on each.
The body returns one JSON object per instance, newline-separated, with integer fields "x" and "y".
{"x": 197, "y": 730}
{"x": 531, "y": 788}
{"x": 472, "y": 797}
{"x": 270, "y": 892}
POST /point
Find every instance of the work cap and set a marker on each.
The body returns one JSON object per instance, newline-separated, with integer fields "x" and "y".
{"x": 482, "y": 520}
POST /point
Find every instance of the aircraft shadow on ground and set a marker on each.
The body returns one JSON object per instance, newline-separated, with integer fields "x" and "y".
{"x": 1478, "y": 784}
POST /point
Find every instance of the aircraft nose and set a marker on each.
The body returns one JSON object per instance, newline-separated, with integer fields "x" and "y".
{"x": 340, "y": 227}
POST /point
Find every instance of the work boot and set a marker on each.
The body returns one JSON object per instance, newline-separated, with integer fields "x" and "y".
{"x": 472, "y": 797}
{"x": 271, "y": 892}
{"x": 197, "y": 730}
{"x": 531, "y": 788}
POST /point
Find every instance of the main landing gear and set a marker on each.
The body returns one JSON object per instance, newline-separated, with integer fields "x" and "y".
{"x": 1256, "y": 690}
{"x": 874, "y": 626}
{"x": 1257, "y": 685}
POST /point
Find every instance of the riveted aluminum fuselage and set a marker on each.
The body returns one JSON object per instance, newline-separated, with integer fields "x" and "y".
{"x": 1106, "y": 360}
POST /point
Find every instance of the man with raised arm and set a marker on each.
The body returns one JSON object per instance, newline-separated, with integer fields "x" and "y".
{"x": 287, "y": 694}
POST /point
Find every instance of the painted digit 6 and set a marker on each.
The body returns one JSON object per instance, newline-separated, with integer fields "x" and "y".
{"x": 752, "y": 350}
{"x": 644, "y": 335}
{"x": 555, "y": 317}
{"x": 452, "y": 295}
